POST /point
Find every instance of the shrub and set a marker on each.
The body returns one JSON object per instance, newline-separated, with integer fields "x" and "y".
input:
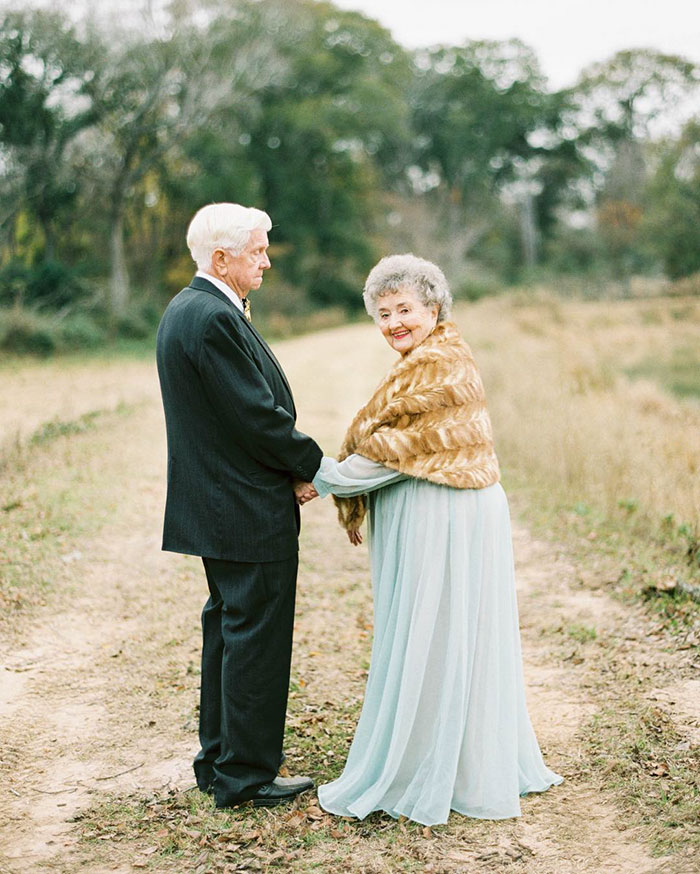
{"x": 138, "y": 322}
{"x": 24, "y": 331}
{"x": 81, "y": 332}
{"x": 13, "y": 283}
{"x": 475, "y": 289}
{"x": 47, "y": 285}
{"x": 686, "y": 287}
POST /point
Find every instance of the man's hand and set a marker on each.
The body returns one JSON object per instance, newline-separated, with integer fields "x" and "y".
{"x": 304, "y": 492}
{"x": 354, "y": 536}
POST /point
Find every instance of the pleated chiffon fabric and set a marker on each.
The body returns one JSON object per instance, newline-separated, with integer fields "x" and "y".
{"x": 444, "y": 724}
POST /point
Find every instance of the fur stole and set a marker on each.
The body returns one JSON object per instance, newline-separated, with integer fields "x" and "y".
{"x": 427, "y": 419}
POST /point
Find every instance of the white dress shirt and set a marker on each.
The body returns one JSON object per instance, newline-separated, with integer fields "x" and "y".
{"x": 229, "y": 292}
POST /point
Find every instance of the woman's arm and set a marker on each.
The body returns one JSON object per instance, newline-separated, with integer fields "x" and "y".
{"x": 356, "y": 475}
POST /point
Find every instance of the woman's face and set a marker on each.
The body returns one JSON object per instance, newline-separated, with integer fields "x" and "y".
{"x": 404, "y": 320}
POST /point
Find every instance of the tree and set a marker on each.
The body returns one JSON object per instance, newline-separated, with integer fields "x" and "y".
{"x": 144, "y": 108}
{"x": 328, "y": 136}
{"x": 474, "y": 108}
{"x": 671, "y": 222}
{"x": 624, "y": 97}
{"x": 45, "y": 103}
{"x": 155, "y": 93}
{"x": 612, "y": 113}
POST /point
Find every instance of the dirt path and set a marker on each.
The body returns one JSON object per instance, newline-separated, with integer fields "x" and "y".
{"x": 99, "y": 686}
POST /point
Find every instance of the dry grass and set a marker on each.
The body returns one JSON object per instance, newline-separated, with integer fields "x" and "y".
{"x": 567, "y": 416}
{"x": 604, "y": 461}
{"x": 81, "y": 522}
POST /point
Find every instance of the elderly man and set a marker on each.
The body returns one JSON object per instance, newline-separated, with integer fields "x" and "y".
{"x": 235, "y": 465}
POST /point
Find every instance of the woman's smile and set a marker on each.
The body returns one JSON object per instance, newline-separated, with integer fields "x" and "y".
{"x": 404, "y": 320}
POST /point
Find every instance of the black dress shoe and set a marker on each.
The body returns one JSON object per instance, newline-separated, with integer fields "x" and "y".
{"x": 281, "y": 790}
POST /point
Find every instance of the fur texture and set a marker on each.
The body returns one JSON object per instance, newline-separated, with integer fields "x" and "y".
{"x": 427, "y": 419}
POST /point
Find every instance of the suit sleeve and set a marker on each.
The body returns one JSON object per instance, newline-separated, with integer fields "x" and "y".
{"x": 243, "y": 399}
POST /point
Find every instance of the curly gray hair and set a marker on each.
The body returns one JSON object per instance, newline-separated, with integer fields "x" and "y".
{"x": 408, "y": 271}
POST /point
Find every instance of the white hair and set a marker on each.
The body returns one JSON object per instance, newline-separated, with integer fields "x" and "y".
{"x": 223, "y": 226}
{"x": 408, "y": 272}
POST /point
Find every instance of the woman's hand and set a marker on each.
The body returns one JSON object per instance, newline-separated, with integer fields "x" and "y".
{"x": 354, "y": 536}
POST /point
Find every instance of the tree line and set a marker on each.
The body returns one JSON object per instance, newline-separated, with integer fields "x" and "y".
{"x": 114, "y": 131}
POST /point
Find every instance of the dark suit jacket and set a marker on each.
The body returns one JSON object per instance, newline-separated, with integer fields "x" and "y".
{"x": 233, "y": 449}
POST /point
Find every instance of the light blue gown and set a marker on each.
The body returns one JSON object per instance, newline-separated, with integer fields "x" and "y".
{"x": 444, "y": 724}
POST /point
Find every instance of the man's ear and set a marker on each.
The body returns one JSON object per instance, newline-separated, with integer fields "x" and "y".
{"x": 218, "y": 261}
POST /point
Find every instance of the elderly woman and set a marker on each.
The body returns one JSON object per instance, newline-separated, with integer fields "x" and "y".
{"x": 444, "y": 725}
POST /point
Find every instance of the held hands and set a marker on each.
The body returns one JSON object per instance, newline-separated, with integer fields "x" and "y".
{"x": 304, "y": 492}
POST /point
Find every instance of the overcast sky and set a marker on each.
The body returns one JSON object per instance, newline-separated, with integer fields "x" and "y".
{"x": 566, "y": 35}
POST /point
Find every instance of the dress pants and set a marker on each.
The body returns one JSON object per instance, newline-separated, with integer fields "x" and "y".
{"x": 247, "y": 626}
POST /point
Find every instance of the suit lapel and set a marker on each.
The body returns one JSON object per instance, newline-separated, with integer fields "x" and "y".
{"x": 268, "y": 352}
{"x": 200, "y": 284}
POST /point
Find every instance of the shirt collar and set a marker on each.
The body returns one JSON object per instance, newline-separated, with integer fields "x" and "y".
{"x": 230, "y": 293}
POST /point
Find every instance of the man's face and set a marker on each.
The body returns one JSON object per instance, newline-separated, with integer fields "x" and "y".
{"x": 244, "y": 272}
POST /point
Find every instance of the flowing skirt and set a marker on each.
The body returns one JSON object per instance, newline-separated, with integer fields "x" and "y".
{"x": 444, "y": 723}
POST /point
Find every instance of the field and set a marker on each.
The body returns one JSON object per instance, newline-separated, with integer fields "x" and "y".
{"x": 597, "y": 419}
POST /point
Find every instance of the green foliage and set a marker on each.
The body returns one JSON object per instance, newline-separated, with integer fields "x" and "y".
{"x": 25, "y": 331}
{"x": 326, "y": 132}
{"x": 577, "y": 251}
{"x": 48, "y": 285}
{"x": 622, "y": 96}
{"x": 138, "y": 322}
{"x": 475, "y": 289}
{"x": 40, "y": 332}
{"x": 679, "y": 374}
{"x": 473, "y": 108}
{"x": 581, "y": 633}
{"x": 672, "y": 221}
{"x": 81, "y": 331}
{"x": 112, "y": 136}
{"x": 34, "y": 332}
{"x": 58, "y": 428}
{"x": 45, "y": 102}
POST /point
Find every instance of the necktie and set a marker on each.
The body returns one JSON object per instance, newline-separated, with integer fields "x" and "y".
{"x": 246, "y": 307}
